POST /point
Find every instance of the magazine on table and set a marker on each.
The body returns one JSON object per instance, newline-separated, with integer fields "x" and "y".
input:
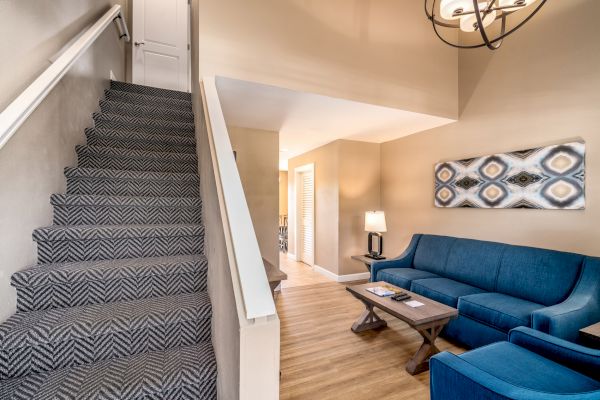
{"x": 384, "y": 291}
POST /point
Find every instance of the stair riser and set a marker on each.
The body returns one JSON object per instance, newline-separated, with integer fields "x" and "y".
{"x": 150, "y": 91}
{"x": 132, "y": 98}
{"x": 113, "y": 215}
{"x": 140, "y": 145}
{"x": 63, "y": 295}
{"x": 112, "y": 121}
{"x": 88, "y": 160}
{"x": 89, "y": 250}
{"x": 46, "y": 357}
{"x": 126, "y": 187}
{"x": 138, "y": 111}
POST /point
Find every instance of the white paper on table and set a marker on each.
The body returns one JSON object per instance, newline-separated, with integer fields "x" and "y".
{"x": 414, "y": 303}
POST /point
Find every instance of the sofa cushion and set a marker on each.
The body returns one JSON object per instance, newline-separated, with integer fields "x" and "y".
{"x": 403, "y": 277}
{"x": 475, "y": 262}
{"x": 542, "y": 276}
{"x": 523, "y": 368}
{"x": 444, "y": 290}
{"x": 432, "y": 253}
{"x": 498, "y": 310}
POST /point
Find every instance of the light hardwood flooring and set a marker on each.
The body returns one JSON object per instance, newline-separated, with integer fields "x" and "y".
{"x": 299, "y": 274}
{"x": 322, "y": 359}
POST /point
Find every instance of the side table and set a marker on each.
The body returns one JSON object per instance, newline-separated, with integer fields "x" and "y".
{"x": 365, "y": 260}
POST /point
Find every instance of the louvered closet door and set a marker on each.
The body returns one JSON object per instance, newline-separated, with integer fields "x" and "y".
{"x": 307, "y": 218}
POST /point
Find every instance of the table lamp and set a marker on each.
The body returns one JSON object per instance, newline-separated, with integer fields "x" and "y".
{"x": 375, "y": 225}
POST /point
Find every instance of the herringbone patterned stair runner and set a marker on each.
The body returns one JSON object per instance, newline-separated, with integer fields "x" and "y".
{"x": 117, "y": 307}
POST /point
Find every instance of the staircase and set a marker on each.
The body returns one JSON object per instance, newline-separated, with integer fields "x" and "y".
{"x": 117, "y": 307}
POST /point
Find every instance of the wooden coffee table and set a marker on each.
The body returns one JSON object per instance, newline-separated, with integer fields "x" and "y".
{"x": 428, "y": 319}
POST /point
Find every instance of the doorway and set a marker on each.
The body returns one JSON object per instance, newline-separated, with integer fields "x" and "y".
{"x": 305, "y": 213}
{"x": 161, "y": 52}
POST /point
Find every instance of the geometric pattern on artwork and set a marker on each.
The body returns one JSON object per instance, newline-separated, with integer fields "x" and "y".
{"x": 551, "y": 177}
{"x": 118, "y": 305}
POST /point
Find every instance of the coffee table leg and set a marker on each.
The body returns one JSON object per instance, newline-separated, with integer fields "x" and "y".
{"x": 420, "y": 361}
{"x": 368, "y": 320}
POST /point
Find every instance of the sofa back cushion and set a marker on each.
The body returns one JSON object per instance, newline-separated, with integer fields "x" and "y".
{"x": 543, "y": 276}
{"x": 475, "y": 262}
{"x": 432, "y": 253}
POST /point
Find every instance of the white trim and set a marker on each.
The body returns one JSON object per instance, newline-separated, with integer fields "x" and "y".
{"x": 245, "y": 260}
{"x": 21, "y": 108}
{"x": 341, "y": 278}
{"x": 292, "y": 256}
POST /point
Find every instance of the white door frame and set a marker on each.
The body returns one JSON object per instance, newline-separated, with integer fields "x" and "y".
{"x": 307, "y": 168}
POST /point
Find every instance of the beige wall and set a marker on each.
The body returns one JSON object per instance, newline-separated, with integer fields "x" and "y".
{"x": 380, "y": 52}
{"x": 542, "y": 87}
{"x": 32, "y": 162}
{"x": 347, "y": 183}
{"x": 258, "y": 164}
{"x": 325, "y": 160}
{"x": 360, "y": 191}
{"x": 283, "y": 192}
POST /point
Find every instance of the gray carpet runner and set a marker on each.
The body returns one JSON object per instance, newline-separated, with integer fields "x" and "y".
{"x": 117, "y": 306}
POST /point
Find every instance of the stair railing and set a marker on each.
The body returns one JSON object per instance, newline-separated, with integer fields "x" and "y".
{"x": 21, "y": 108}
{"x": 253, "y": 345}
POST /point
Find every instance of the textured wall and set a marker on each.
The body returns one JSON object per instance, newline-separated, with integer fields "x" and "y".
{"x": 542, "y": 87}
{"x": 380, "y": 52}
{"x": 258, "y": 163}
{"x": 32, "y": 162}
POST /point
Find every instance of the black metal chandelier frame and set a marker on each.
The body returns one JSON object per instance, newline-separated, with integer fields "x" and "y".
{"x": 502, "y": 14}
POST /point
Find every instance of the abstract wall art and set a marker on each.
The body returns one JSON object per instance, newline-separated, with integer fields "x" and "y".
{"x": 550, "y": 177}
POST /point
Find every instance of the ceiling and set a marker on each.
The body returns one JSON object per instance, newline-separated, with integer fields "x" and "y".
{"x": 306, "y": 121}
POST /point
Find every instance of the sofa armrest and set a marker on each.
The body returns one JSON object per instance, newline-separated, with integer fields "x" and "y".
{"x": 453, "y": 378}
{"x": 402, "y": 261}
{"x": 574, "y": 356}
{"x": 581, "y": 309}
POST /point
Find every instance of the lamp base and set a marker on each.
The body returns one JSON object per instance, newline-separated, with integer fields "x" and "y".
{"x": 375, "y": 256}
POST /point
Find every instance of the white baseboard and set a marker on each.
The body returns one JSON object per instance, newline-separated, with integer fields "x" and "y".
{"x": 341, "y": 278}
{"x": 292, "y": 256}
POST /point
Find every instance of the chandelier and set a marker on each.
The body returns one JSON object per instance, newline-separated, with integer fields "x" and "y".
{"x": 482, "y": 17}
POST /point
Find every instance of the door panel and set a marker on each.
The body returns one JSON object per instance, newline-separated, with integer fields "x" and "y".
{"x": 160, "y": 51}
{"x": 306, "y": 220}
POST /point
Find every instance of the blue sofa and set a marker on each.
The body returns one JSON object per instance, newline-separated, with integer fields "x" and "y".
{"x": 531, "y": 366}
{"x": 497, "y": 287}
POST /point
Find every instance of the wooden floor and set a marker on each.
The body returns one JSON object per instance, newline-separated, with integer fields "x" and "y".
{"x": 299, "y": 274}
{"x": 322, "y": 359}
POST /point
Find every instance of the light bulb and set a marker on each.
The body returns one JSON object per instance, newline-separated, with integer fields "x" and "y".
{"x": 453, "y": 9}
{"x": 518, "y": 4}
{"x": 468, "y": 23}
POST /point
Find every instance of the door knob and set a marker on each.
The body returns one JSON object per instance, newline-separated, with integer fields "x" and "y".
{"x": 138, "y": 44}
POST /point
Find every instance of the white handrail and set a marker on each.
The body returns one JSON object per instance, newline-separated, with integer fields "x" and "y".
{"x": 17, "y": 112}
{"x": 247, "y": 263}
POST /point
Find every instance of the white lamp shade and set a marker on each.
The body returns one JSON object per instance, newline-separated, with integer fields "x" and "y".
{"x": 468, "y": 22}
{"x": 517, "y": 3}
{"x": 451, "y": 9}
{"x": 375, "y": 221}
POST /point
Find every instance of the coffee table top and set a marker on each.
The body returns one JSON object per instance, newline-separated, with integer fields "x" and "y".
{"x": 592, "y": 332}
{"x": 415, "y": 316}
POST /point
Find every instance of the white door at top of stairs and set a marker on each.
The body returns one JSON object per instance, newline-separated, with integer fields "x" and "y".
{"x": 160, "y": 50}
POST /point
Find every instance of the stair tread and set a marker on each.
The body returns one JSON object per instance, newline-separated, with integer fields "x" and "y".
{"x": 143, "y": 376}
{"x": 122, "y": 107}
{"x": 154, "y": 91}
{"x": 104, "y": 232}
{"x": 61, "y": 324}
{"x": 186, "y": 128}
{"x": 143, "y": 154}
{"x": 85, "y": 271}
{"x": 101, "y": 173}
{"x": 146, "y": 137}
{"x": 137, "y": 98}
{"x": 129, "y": 201}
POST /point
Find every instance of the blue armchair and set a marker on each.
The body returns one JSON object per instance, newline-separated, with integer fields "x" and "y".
{"x": 532, "y": 365}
